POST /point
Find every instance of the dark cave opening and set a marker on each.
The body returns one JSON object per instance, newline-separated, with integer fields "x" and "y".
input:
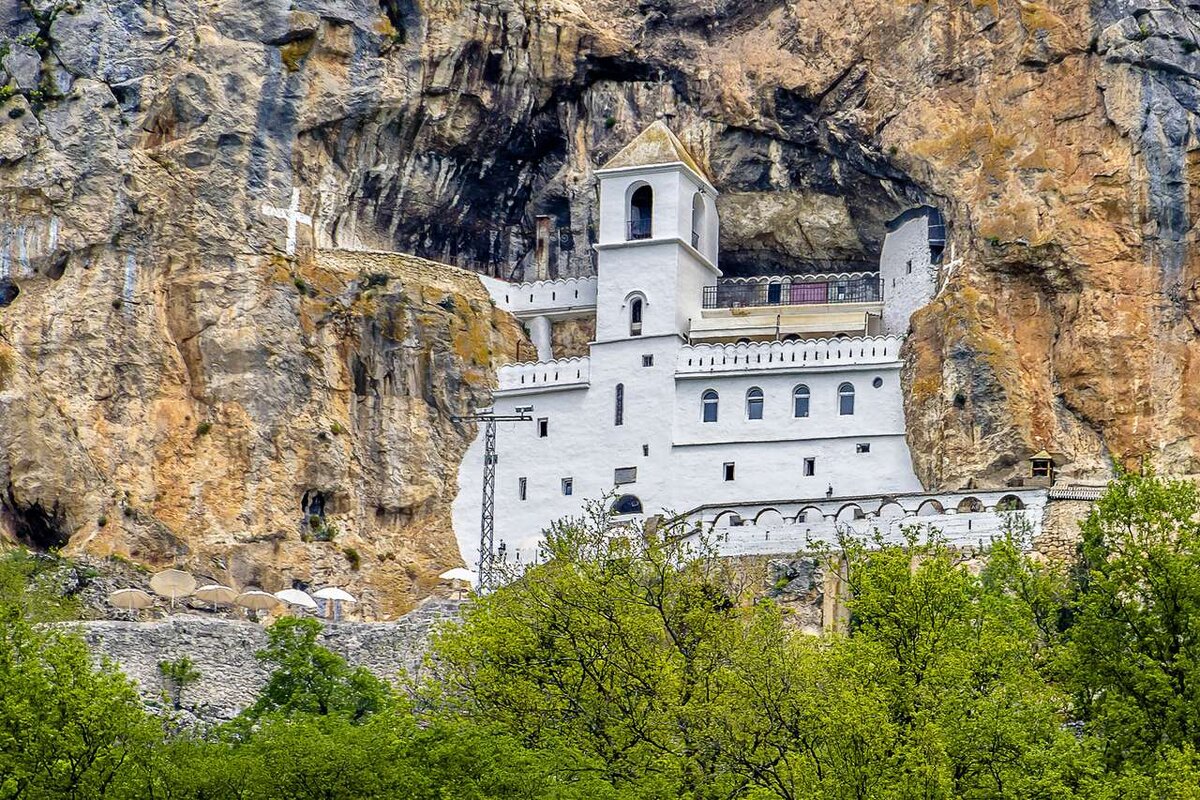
{"x": 34, "y": 524}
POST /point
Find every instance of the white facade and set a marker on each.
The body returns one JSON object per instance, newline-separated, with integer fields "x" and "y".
{"x": 629, "y": 419}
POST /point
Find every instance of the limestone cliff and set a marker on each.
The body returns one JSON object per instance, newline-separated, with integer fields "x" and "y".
{"x": 146, "y": 293}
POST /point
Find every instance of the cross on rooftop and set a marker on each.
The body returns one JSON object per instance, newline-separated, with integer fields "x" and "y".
{"x": 293, "y": 216}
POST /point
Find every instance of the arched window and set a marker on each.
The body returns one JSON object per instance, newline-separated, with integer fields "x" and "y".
{"x": 754, "y": 403}
{"x": 800, "y": 401}
{"x": 641, "y": 208}
{"x": 619, "y": 412}
{"x": 635, "y": 317}
{"x": 697, "y": 219}
{"x": 1010, "y": 502}
{"x": 709, "y": 401}
{"x": 627, "y": 504}
{"x": 846, "y": 399}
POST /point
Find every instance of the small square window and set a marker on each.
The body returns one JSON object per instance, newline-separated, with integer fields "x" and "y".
{"x": 648, "y": 361}
{"x": 729, "y": 470}
{"x": 862, "y": 447}
{"x": 623, "y": 475}
{"x": 543, "y": 428}
{"x": 568, "y": 486}
{"x": 810, "y": 467}
{"x": 522, "y": 485}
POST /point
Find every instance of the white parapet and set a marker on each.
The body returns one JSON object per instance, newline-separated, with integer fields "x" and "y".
{"x": 801, "y": 354}
{"x": 557, "y": 299}
{"x": 536, "y": 376}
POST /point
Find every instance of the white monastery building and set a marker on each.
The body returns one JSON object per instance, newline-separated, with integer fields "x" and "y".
{"x": 768, "y": 407}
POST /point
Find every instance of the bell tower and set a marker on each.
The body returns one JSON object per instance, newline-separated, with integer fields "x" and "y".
{"x": 657, "y": 247}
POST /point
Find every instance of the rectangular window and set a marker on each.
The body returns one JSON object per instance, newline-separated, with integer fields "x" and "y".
{"x": 568, "y": 485}
{"x": 543, "y": 427}
{"x": 810, "y": 467}
{"x": 645, "y": 449}
{"x": 619, "y": 411}
{"x": 647, "y": 361}
{"x": 728, "y": 470}
{"x": 862, "y": 447}
{"x": 522, "y": 485}
{"x": 623, "y": 475}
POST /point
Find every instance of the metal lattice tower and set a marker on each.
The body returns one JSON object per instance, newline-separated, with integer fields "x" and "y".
{"x": 487, "y": 513}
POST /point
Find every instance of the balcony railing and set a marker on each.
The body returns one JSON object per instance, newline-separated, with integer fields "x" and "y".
{"x": 865, "y": 289}
{"x": 639, "y": 229}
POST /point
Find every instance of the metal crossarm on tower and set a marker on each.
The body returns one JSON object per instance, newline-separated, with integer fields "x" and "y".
{"x": 487, "y": 514}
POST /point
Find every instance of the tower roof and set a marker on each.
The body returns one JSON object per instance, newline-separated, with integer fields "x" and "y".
{"x": 654, "y": 145}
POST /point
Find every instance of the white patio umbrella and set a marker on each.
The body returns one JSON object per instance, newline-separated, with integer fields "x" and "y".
{"x": 257, "y": 600}
{"x": 459, "y": 574}
{"x": 173, "y": 584}
{"x": 216, "y": 594}
{"x": 295, "y": 597}
{"x": 130, "y": 599}
{"x": 335, "y": 596}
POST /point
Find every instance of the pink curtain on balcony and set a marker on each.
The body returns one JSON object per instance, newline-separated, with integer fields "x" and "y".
{"x": 805, "y": 293}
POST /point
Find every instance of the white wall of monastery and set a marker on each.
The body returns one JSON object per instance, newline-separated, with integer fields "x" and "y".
{"x": 909, "y": 277}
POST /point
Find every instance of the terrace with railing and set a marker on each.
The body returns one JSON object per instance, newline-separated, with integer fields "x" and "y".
{"x": 794, "y": 290}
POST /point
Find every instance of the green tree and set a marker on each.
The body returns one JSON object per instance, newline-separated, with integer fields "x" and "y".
{"x": 68, "y": 729}
{"x": 311, "y": 679}
{"x": 1134, "y": 654}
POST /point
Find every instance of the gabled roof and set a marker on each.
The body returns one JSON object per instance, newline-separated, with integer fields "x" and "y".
{"x": 655, "y": 145}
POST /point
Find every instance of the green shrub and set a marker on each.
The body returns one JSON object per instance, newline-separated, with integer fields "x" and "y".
{"x": 352, "y": 557}
{"x": 203, "y": 428}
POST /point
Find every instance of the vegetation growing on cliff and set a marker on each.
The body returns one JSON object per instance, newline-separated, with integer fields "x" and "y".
{"x": 624, "y": 668}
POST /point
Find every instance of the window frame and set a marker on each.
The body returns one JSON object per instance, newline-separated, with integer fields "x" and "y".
{"x": 754, "y": 395}
{"x": 543, "y": 427}
{"x": 729, "y": 470}
{"x": 710, "y": 397}
{"x": 568, "y": 486}
{"x": 799, "y": 391}
{"x": 845, "y": 391}
{"x": 810, "y": 467}
{"x": 619, "y": 405}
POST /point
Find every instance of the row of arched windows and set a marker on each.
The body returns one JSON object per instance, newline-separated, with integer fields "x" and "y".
{"x": 710, "y": 402}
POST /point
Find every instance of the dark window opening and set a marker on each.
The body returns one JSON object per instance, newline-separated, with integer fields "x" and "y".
{"x": 543, "y": 427}
{"x": 635, "y": 317}
{"x": 862, "y": 447}
{"x": 568, "y": 486}
{"x": 641, "y": 209}
{"x": 627, "y": 504}
{"x": 728, "y": 468}
{"x": 647, "y": 361}
{"x": 522, "y": 485}
{"x": 619, "y": 411}
{"x": 810, "y": 467}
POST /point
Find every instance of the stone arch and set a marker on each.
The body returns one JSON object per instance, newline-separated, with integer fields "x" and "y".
{"x": 891, "y": 510}
{"x": 970, "y": 505}
{"x": 930, "y": 508}
{"x": 810, "y": 515}
{"x": 850, "y": 512}
{"x": 769, "y": 516}
{"x": 1010, "y": 502}
{"x": 727, "y": 519}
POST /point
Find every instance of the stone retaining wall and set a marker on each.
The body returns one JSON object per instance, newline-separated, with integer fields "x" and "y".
{"x": 223, "y": 652}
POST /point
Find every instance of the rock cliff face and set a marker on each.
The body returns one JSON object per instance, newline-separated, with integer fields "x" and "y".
{"x": 146, "y": 293}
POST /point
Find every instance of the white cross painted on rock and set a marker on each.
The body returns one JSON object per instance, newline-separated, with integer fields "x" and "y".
{"x": 293, "y": 216}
